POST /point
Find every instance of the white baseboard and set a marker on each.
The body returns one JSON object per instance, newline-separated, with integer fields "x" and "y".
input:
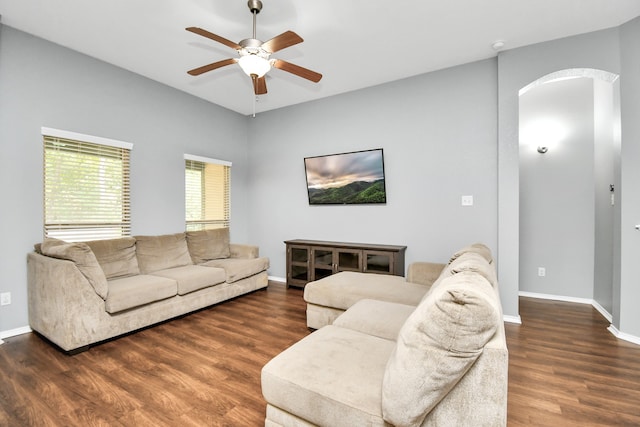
{"x": 13, "y": 332}
{"x": 556, "y": 297}
{"x": 277, "y": 279}
{"x": 602, "y": 311}
{"x": 620, "y": 335}
{"x": 591, "y": 302}
{"x": 512, "y": 319}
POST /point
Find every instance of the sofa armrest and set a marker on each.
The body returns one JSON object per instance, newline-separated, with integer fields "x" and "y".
{"x": 239, "y": 250}
{"x": 424, "y": 273}
{"x": 62, "y": 303}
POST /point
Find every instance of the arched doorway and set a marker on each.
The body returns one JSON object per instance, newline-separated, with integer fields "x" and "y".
{"x": 568, "y": 154}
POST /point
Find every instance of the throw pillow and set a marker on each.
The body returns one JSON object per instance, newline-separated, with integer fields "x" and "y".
{"x": 437, "y": 345}
{"x": 117, "y": 257}
{"x": 207, "y": 245}
{"x": 161, "y": 252}
{"x": 82, "y": 256}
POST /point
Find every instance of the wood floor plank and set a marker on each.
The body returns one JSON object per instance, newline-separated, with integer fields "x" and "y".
{"x": 203, "y": 369}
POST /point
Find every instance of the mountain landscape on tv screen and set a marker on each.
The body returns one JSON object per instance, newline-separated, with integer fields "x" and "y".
{"x": 353, "y": 193}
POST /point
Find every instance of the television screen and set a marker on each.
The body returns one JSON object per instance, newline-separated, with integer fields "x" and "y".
{"x": 346, "y": 178}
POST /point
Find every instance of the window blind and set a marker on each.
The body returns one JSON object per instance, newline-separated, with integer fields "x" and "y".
{"x": 207, "y": 188}
{"x": 86, "y": 190}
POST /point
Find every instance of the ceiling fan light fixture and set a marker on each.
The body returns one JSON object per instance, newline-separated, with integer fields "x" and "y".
{"x": 254, "y": 54}
{"x": 254, "y": 65}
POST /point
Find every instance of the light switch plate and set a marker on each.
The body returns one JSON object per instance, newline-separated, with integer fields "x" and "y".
{"x": 5, "y": 298}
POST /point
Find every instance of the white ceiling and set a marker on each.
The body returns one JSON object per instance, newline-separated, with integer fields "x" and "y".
{"x": 354, "y": 44}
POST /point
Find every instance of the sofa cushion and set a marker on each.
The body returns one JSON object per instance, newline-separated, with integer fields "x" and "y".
{"x": 205, "y": 245}
{"x": 332, "y": 377}
{"x": 84, "y": 259}
{"x": 239, "y": 268}
{"x": 437, "y": 345}
{"x": 478, "y": 248}
{"x": 117, "y": 257}
{"x": 161, "y": 252}
{"x": 342, "y": 290}
{"x": 378, "y": 318}
{"x": 193, "y": 277}
{"x": 134, "y": 291}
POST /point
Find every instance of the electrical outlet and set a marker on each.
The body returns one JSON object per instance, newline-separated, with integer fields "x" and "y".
{"x": 5, "y": 298}
{"x": 542, "y": 271}
{"x": 467, "y": 200}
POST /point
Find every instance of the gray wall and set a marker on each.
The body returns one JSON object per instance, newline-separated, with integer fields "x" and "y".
{"x": 629, "y": 290}
{"x": 438, "y": 132}
{"x": 606, "y": 156}
{"x": 516, "y": 69}
{"x": 42, "y": 84}
{"x": 614, "y": 50}
{"x": 557, "y": 188}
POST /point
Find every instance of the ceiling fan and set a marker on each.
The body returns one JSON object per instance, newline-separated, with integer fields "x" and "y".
{"x": 254, "y": 55}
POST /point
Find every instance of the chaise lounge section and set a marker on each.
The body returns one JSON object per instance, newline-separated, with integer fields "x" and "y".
{"x": 442, "y": 361}
{"x": 84, "y": 293}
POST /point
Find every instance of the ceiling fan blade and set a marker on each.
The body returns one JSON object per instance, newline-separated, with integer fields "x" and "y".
{"x": 259, "y": 85}
{"x": 284, "y": 40}
{"x": 213, "y": 66}
{"x": 209, "y": 35}
{"x": 297, "y": 70}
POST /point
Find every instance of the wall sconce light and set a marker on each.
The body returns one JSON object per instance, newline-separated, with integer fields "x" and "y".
{"x": 542, "y": 150}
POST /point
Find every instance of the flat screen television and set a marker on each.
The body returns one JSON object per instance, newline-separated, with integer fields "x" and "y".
{"x": 346, "y": 178}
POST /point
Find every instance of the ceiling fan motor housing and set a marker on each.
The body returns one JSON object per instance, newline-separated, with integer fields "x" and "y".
{"x": 255, "y": 6}
{"x": 253, "y": 47}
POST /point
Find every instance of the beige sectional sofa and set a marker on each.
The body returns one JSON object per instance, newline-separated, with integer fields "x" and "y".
{"x": 412, "y": 354}
{"x": 84, "y": 293}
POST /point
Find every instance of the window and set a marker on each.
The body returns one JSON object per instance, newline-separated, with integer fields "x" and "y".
{"x": 86, "y": 186}
{"x": 207, "y": 188}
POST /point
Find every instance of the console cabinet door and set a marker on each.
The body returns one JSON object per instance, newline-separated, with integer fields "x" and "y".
{"x": 298, "y": 265}
{"x": 348, "y": 260}
{"x": 379, "y": 262}
{"x": 323, "y": 263}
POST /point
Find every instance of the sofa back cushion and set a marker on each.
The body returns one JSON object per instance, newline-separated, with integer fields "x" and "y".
{"x": 84, "y": 259}
{"x": 437, "y": 345}
{"x": 161, "y": 252}
{"x": 206, "y": 245}
{"x": 117, "y": 257}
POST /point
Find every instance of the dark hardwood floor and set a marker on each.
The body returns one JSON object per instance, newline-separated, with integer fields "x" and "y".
{"x": 566, "y": 369}
{"x": 203, "y": 369}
